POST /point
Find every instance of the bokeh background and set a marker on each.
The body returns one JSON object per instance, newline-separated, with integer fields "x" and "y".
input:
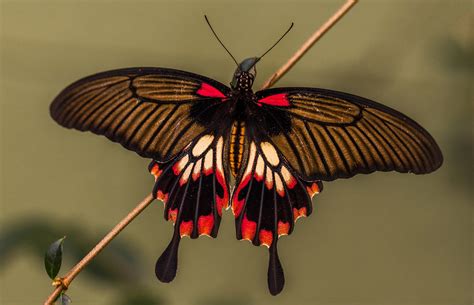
{"x": 385, "y": 238}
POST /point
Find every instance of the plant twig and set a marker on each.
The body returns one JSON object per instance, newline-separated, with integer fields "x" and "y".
{"x": 309, "y": 43}
{"x": 63, "y": 283}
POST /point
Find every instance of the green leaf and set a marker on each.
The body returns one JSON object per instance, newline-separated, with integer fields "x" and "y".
{"x": 30, "y": 235}
{"x": 64, "y": 299}
{"x": 53, "y": 258}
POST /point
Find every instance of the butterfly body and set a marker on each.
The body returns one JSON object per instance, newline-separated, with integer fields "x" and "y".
{"x": 236, "y": 146}
{"x": 277, "y": 144}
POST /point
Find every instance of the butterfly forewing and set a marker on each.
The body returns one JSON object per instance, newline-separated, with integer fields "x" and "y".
{"x": 328, "y": 134}
{"x": 153, "y": 111}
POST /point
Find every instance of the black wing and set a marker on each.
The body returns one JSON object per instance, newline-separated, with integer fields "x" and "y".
{"x": 326, "y": 134}
{"x": 152, "y": 111}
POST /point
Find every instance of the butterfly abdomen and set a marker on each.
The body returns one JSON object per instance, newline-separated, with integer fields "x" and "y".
{"x": 236, "y": 146}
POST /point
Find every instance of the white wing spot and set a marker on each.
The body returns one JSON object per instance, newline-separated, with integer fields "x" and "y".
{"x": 286, "y": 174}
{"x": 220, "y": 143}
{"x": 201, "y": 145}
{"x": 269, "y": 177}
{"x": 197, "y": 168}
{"x": 182, "y": 163}
{"x": 186, "y": 173}
{"x": 270, "y": 153}
{"x": 208, "y": 160}
{"x": 251, "y": 158}
{"x": 260, "y": 166}
{"x": 278, "y": 183}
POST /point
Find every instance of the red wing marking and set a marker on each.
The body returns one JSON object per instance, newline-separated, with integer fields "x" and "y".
{"x": 156, "y": 171}
{"x": 297, "y": 213}
{"x": 186, "y": 228}
{"x": 313, "y": 189}
{"x": 237, "y": 204}
{"x": 172, "y": 214}
{"x": 279, "y": 99}
{"x": 288, "y": 178}
{"x": 283, "y": 228}
{"x": 266, "y": 237}
{"x": 162, "y": 196}
{"x": 221, "y": 201}
{"x": 248, "y": 229}
{"x": 209, "y": 91}
{"x": 205, "y": 224}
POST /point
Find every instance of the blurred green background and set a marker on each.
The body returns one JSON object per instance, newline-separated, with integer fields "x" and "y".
{"x": 384, "y": 238}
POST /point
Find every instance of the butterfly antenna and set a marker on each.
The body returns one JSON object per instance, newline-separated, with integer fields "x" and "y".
{"x": 289, "y": 29}
{"x": 217, "y": 37}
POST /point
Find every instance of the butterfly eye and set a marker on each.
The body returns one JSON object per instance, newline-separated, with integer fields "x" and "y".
{"x": 235, "y": 79}
{"x": 253, "y": 72}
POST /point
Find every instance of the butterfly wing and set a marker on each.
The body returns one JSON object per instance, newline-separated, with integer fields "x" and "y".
{"x": 300, "y": 136}
{"x": 269, "y": 197}
{"x": 152, "y": 111}
{"x": 194, "y": 189}
{"x": 326, "y": 134}
{"x": 173, "y": 117}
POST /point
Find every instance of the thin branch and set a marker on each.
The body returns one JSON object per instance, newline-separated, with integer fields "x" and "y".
{"x": 63, "y": 283}
{"x": 309, "y": 43}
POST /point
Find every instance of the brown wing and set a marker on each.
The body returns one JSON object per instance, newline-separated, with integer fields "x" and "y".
{"x": 152, "y": 111}
{"x": 327, "y": 135}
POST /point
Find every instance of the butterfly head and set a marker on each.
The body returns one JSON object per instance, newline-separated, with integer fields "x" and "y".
{"x": 245, "y": 74}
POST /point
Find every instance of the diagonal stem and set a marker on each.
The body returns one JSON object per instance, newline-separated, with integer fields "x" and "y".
{"x": 309, "y": 43}
{"x": 64, "y": 283}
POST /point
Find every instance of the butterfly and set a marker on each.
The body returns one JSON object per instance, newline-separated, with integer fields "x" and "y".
{"x": 278, "y": 145}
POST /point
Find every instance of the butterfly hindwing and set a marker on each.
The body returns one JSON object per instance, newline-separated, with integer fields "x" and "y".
{"x": 194, "y": 190}
{"x": 326, "y": 134}
{"x": 152, "y": 111}
{"x": 269, "y": 197}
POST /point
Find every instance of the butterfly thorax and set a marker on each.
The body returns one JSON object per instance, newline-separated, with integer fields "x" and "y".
{"x": 244, "y": 82}
{"x": 242, "y": 94}
{"x": 244, "y": 75}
